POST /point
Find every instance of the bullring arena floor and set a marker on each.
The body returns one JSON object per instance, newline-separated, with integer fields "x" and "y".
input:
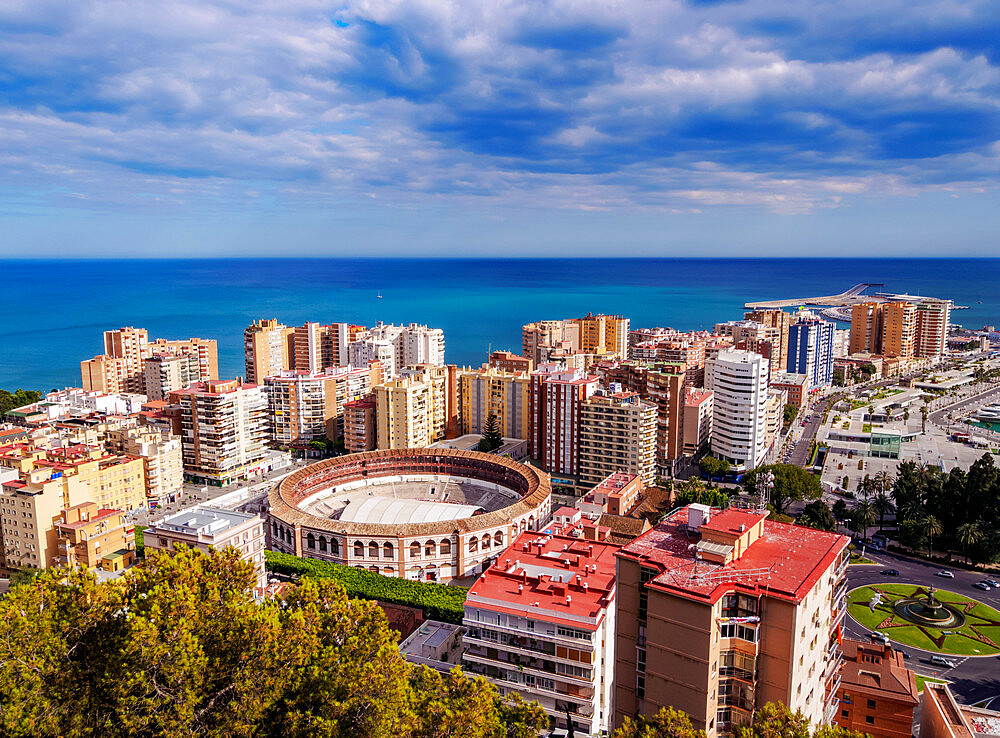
{"x": 420, "y": 499}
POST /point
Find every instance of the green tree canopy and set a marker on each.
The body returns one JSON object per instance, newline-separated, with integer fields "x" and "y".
{"x": 12, "y": 400}
{"x": 791, "y": 484}
{"x": 492, "y": 435}
{"x": 817, "y": 515}
{"x": 668, "y": 723}
{"x": 178, "y": 647}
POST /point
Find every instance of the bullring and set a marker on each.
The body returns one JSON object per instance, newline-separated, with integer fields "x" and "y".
{"x": 425, "y": 514}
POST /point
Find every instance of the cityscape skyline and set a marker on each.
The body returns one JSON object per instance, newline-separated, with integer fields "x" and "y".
{"x": 436, "y": 128}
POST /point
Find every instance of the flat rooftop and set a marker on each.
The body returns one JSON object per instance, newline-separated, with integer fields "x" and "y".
{"x": 204, "y": 521}
{"x": 785, "y": 562}
{"x": 559, "y": 579}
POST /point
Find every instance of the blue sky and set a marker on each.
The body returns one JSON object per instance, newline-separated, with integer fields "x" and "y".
{"x": 646, "y": 127}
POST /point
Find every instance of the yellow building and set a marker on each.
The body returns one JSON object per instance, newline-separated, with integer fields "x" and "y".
{"x": 29, "y": 507}
{"x": 505, "y": 394}
{"x": 160, "y": 453}
{"x": 120, "y": 368}
{"x": 92, "y": 537}
{"x": 268, "y": 348}
{"x": 888, "y": 328}
{"x": 409, "y": 413}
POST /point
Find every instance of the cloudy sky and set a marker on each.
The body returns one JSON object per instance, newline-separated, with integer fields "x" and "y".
{"x": 646, "y": 127}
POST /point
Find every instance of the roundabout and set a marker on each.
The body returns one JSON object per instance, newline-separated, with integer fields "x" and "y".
{"x": 923, "y": 617}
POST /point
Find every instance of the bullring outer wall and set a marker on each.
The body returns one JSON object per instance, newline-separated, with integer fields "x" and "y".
{"x": 432, "y": 551}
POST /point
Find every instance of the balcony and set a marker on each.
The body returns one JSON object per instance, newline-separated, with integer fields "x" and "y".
{"x": 528, "y": 666}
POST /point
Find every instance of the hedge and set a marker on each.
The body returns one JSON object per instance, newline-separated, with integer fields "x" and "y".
{"x": 438, "y": 601}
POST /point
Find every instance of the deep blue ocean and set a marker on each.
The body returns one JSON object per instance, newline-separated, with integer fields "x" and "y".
{"x": 54, "y": 312}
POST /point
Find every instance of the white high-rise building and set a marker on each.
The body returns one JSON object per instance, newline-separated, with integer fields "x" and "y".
{"x": 397, "y": 346}
{"x": 739, "y": 416}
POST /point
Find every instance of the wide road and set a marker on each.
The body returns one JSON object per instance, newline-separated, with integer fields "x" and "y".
{"x": 974, "y": 678}
{"x": 800, "y": 454}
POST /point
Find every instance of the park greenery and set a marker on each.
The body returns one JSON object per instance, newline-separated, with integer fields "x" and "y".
{"x": 492, "y": 435}
{"x": 12, "y": 400}
{"x": 978, "y": 636}
{"x": 438, "y": 601}
{"x": 178, "y": 647}
{"x": 695, "y": 491}
{"x": 790, "y": 413}
{"x": 954, "y": 512}
{"x": 817, "y": 514}
{"x": 791, "y": 484}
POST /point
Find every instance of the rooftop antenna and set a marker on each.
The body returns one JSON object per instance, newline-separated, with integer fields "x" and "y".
{"x": 764, "y": 483}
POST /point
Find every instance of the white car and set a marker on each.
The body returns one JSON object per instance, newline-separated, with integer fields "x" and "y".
{"x": 945, "y": 573}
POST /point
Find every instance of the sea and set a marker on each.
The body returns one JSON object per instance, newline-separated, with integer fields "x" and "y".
{"x": 55, "y": 311}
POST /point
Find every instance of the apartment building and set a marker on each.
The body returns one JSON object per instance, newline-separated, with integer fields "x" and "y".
{"x": 697, "y": 426}
{"x": 29, "y": 507}
{"x": 120, "y": 368}
{"x": 888, "y": 328}
{"x": 303, "y": 405}
{"x": 933, "y": 320}
{"x": 738, "y": 380}
{"x": 360, "y": 425}
{"x": 541, "y": 623}
{"x": 779, "y": 320}
{"x": 722, "y": 611}
{"x": 166, "y": 373}
{"x": 93, "y": 537}
{"x": 318, "y": 347}
{"x": 878, "y": 694}
{"x": 688, "y": 350}
{"x": 505, "y": 394}
{"x": 268, "y": 349}
{"x": 161, "y": 455}
{"x": 614, "y": 495}
{"x": 505, "y": 361}
{"x": 617, "y": 434}
{"x": 557, "y": 397}
{"x": 661, "y": 384}
{"x": 397, "y": 346}
{"x": 777, "y": 398}
{"x": 113, "y": 481}
{"x": 224, "y": 430}
{"x": 208, "y": 527}
{"x": 405, "y": 414}
{"x": 795, "y": 385}
{"x": 598, "y": 336}
{"x": 205, "y": 350}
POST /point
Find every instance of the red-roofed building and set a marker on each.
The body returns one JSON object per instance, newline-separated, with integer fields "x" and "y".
{"x": 541, "y": 622}
{"x": 878, "y": 694}
{"x": 616, "y": 494}
{"x": 720, "y": 612}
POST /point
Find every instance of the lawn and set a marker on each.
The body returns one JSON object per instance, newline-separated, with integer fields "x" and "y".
{"x": 862, "y": 561}
{"x": 921, "y": 680}
{"x": 979, "y": 636}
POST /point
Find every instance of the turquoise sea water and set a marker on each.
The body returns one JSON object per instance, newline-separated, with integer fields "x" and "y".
{"x": 55, "y": 311}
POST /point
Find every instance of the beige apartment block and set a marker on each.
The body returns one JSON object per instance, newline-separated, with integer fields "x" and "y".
{"x": 29, "y": 507}
{"x": 160, "y": 453}
{"x": 207, "y": 528}
{"x": 224, "y": 430}
{"x": 166, "y": 373}
{"x": 777, "y": 397}
{"x": 105, "y": 374}
{"x": 206, "y": 350}
{"x": 505, "y": 394}
{"x": 782, "y": 322}
{"x": 360, "y": 427}
{"x": 722, "y": 611}
{"x": 933, "y": 319}
{"x": 600, "y": 336}
{"x": 93, "y": 537}
{"x": 405, "y": 414}
{"x": 697, "y": 424}
{"x": 268, "y": 349}
{"x": 304, "y": 405}
{"x": 617, "y": 434}
{"x": 318, "y": 347}
{"x": 899, "y": 329}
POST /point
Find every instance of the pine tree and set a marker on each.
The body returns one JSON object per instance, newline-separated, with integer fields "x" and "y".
{"x": 492, "y": 435}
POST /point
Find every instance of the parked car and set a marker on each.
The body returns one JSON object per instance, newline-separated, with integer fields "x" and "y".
{"x": 993, "y": 583}
{"x": 941, "y": 661}
{"x": 983, "y": 586}
{"x": 880, "y": 637}
{"x": 944, "y": 573}
{"x": 890, "y": 572}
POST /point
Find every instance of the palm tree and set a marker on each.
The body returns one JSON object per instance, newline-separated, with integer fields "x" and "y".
{"x": 969, "y": 534}
{"x": 883, "y": 481}
{"x": 864, "y": 487}
{"x": 923, "y": 419}
{"x": 863, "y": 517}
{"x": 882, "y": 504}
{"x": 931, "y": 527}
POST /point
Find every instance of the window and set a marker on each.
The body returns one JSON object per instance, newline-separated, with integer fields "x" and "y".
{"x": 843, "y": 713}
{"x": 387, "y": 550}
{"x": 871, "y": 704}
{"x": 359, "y": 549}
{"x": 870, "y": 719}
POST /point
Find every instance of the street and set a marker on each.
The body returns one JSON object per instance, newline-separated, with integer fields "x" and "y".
{"x": 974, "y": 678}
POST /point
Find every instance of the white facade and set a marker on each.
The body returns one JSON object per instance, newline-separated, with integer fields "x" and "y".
{"x": 397, "y": 346}
{"x": 206, "y": 527}
{"x": 738, "y": 380}
{"x": 75, "y": 401}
